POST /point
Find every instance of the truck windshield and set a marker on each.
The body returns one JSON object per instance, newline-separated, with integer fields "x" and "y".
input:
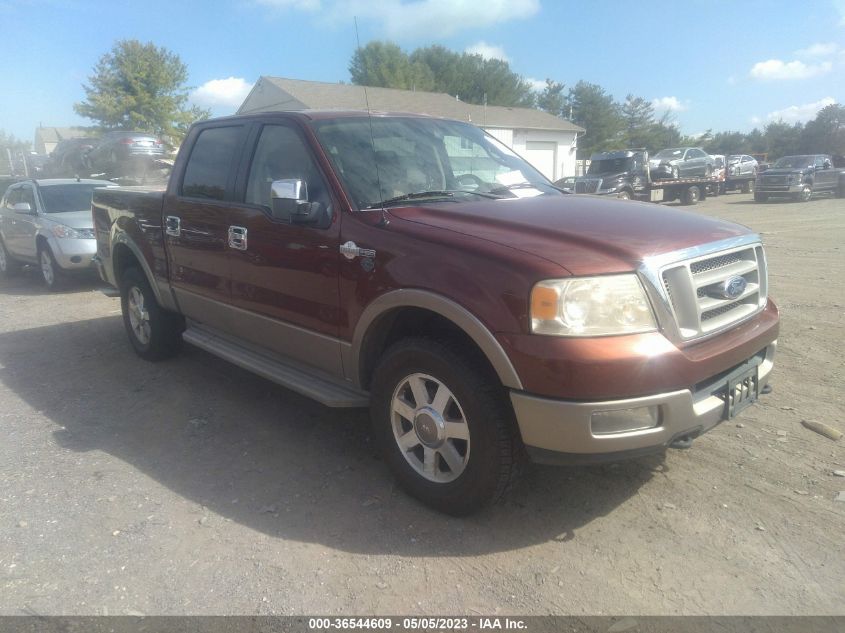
{"x": 393, "y": 160}
{"x": 64, "y": 198}
{"x": 794, "y": 162}
{"x": 610, "y": 166}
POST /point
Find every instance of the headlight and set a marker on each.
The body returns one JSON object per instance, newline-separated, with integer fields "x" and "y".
{"x": 67, "y": 233}
{"x": 591, "y": 306}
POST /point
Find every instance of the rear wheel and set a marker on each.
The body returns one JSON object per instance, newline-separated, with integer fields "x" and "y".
{"x": 8, "y": 266}
{"x": 154, "y": 333}
{"x": 444, "y": 425}
{"x": 691, "y": 195}
{"x": 624, "y": 195}
{"x": 748, "y": 186}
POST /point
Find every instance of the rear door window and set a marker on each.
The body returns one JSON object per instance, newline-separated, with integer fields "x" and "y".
{"x": 210, "y": 168}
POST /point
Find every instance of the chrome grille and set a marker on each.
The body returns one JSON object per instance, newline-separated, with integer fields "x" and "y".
{"x": 587, "y": 185}
{"x": 776, "y": 180}
{"x": 695, "y": 290}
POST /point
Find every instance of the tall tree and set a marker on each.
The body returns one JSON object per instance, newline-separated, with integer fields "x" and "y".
{"x": 782, "y": 139}
{"x": 385, "y": 65}
{"x": 552, "y": 100}
{"x": 826, "y": 133}
{"x": 141, "y": 87}
{"x": 470, "y": 77}
{"x": 597, "y": 112}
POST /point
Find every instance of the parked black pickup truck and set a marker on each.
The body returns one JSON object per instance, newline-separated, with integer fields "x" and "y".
{"x": 800, "y": 177}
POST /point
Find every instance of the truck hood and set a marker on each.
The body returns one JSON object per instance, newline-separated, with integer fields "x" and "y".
{"x": 584, "y": 235}
{"x": 73, "y": 219}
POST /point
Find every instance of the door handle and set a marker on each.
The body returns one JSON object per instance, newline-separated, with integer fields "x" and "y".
{"x": 173, "y": 225}
{"x": 237, "y": 237}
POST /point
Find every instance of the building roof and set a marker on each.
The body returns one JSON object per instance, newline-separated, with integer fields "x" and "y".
{"x": 276, "y": 93}
{"x": 56, "y": 134}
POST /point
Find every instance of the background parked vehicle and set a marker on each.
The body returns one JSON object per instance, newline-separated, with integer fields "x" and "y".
{"x": 626, "y": 174}
{"x": 741, "y": 173}
{"x": 800, "y": 177}
{"x": 48, "y": 223}
{"x": 123, "y": 151}
{"x": 681, "y": 162}
{"x": 69, "y": 157}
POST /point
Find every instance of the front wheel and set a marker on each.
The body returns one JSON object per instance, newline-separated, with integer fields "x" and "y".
{"x": 51, "y": 272}
{"x": 154, "y": 333}
{"x": 624, "y": 195}
{"x": 805, "y": 195}
{"x": 444, "y": 425}
{"x": 691, "y": 195}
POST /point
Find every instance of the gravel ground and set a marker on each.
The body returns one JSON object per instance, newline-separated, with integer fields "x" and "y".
{"x": 192, "y": 487}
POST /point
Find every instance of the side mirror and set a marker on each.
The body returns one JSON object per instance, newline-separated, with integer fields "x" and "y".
{"x": 23, "y": 208}
{"x": 827, "y": 164}
{"x": 289, "y": 201}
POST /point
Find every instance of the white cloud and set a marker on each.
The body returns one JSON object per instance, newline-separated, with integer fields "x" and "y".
{"x": 487, "y": 51}
{"x": 222, "y": 93}
{"x": 819, "y": 49}
{"x": 396, "y": 19}
{"x": 796, "y": 113}
{"x": 777, "y": 69}
{"x": 668, "y": 104}
{"x": 300, "y": 5}
{"x": 537, "y": 85}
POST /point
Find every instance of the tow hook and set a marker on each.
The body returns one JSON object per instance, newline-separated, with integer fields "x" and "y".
{"x": 682, "y": 442}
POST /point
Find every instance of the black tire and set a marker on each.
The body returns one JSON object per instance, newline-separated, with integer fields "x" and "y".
{"x": 161, "y": 337}
{"x": 8, "y": 266}
{"x": 51, "y": 273}
{"x": 493, "y": 453}
{"x": 760, "y": 197}
{"x": 624, "y": 195}
{"x": 748, "y": 186}
{"x": 691, "y": 195}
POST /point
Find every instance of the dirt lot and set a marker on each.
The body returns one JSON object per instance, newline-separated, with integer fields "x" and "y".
{"x": 194, "y": 487}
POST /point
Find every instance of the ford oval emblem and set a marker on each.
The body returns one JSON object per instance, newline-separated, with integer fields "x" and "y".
{"x": 733, "y": 287}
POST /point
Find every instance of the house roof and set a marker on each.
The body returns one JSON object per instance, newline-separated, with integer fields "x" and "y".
{"x": 56, "y": 134}
{"x": 295, "y": 94}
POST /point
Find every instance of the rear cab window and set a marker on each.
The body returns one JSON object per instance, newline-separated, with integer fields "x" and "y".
{"x": 210, "y": 167}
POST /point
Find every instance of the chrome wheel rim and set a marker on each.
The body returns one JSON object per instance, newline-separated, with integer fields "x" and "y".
{"x": 139, "y": 317}
{"x": 47, "y": 268}
{"x": 430, "y": 428}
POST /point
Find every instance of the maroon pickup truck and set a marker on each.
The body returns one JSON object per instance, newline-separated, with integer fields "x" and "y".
{"x": 418, "y": 267}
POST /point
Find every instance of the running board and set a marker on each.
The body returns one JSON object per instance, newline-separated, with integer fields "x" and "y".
{"x": 296, "y": 377}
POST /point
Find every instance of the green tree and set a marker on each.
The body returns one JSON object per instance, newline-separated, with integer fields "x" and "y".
{"x": 826, "y": 133}
{"x": 597, "y": 112}
{"x": 140, "y": 87}
{"x": 727, "y": 143}
{"x": 385, "y": 65}
{"x": 552, "y": 100}
{"x": 782, "y": 139}
{"x": 11, "y": 142}
{"x": 470, "y": 77}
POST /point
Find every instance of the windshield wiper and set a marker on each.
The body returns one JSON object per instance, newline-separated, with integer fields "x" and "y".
{"x": 437, "y": 193}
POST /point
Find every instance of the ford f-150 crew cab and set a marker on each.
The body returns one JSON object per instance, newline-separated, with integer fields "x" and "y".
{"x": 419, "y": 267}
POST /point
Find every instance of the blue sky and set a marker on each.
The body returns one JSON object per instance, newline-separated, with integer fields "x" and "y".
{"x": 716, "y": 64}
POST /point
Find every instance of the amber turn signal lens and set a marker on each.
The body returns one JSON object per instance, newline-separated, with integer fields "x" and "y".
{"x": 544, "y": 302}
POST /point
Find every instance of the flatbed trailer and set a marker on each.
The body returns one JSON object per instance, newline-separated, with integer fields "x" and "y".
{"x": 688, "y": 190}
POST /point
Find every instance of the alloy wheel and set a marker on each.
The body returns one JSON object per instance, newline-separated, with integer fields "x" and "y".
{"x": 139, "y": 317}
{"x": 47, "y": 270}
{"x": 430, "y": 428}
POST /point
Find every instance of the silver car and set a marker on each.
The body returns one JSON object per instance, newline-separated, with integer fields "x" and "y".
{"x": 48, "y": 223}
{"x": 742, "y": 165}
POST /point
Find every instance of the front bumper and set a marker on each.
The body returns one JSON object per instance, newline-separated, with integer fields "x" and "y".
{"x": 783, "y": 190}
{"x": 74, "y": 254}
{"x": 561, "y": 431}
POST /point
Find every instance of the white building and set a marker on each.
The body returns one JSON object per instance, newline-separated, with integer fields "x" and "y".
{"x": 546, "y": 141}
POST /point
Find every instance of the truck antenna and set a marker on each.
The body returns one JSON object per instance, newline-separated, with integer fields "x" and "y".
{"x": 384, "y": 220}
